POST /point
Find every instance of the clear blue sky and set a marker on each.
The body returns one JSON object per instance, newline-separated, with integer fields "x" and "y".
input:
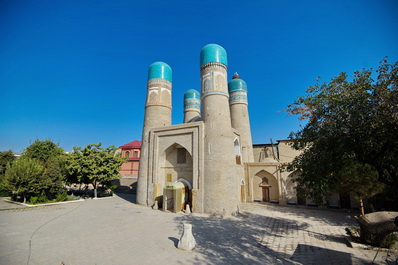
{"x": 76, "y": 71}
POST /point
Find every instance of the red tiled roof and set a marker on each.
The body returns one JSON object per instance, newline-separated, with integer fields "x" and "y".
{"x": 133, "y": 144}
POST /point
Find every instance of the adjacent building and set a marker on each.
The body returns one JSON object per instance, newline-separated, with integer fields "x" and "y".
{"x": 129, "y": 169}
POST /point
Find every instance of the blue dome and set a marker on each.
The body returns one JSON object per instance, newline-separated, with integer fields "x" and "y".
{"x": 192, "y": 93}
{"x": 237, "y": 84}
{"x": 213, "y": 53}
{"x": 160, "y": 70}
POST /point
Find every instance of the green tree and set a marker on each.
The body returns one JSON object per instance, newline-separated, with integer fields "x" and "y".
{"x": 6, "y": 158}
{"x": 53, "y": 158}
{"x": 94, "y": 165}
{"x": 55, "y": 171}
{"x": 348, "y": 122}
{"x": 25, "y": 176}
{"x": 360, "y": 180}
{"x": 43, "y": 150}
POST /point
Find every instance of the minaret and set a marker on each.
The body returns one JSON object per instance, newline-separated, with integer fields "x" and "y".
{"x": 240, "y": 116}
{"x": 221, "y": 181}
{"x": 191, "y": 105}
{"x": 157, "y": 114}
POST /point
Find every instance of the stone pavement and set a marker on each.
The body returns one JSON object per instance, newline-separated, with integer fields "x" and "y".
{"x": 117, "y": 231}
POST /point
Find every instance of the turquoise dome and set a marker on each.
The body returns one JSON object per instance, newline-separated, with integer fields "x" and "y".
{"x": 192, "y": 93}
{"x": 213, "y": 53}
{"x": 160, "y": 70}
{"x": 237, "y": 84}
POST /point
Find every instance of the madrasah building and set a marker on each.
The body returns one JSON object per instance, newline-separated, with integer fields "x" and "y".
{"x": 211, "y": 154}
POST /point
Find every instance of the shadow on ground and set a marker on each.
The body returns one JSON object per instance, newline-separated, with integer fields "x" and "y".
{"x": 232, "y": 240}
{"x": 308, "y": 254}
{"x": 130, "y": 197}
{"x": 239, "y": 240}
{"x": 325, "y": 215}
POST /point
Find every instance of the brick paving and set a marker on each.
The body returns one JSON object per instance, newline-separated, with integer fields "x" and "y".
{"x": 117, "y": 231}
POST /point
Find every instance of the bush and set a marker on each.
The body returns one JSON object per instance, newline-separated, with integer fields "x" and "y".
{"x": 41, "y": 198}
{"x": 62, "y": 196}
{"x": 389, "y": 240}
{"x": 33, "y": 200}
{"x": 353, "y": 231}
{"x": 4, "y": 193}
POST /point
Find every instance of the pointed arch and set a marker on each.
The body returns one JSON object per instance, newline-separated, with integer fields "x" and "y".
{"x": 175, "y": 163}
{"x": 265, "y": 186}
{"x": 294, "y": 191}
{"x": 237, "y": 148}
{"x": 176, "y": 144}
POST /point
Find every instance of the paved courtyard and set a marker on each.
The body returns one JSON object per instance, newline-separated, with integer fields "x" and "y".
{"x": 116, "y": 231}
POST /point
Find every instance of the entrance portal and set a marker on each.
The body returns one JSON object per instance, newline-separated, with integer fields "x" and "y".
{"x": 176, "y": 163}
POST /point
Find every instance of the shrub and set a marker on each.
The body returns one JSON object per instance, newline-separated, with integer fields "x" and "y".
{"x": 4, "y": 193}
{"x": 33, "y": 200}
{"x": 389, "y": 240}
{"x": 41, "y": 198}
{"x": 62, "y": 196}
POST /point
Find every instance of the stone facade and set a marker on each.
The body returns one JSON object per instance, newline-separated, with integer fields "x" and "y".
{"x": 211, "y": 153}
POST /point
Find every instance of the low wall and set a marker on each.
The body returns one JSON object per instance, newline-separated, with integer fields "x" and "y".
{"x": 126, "y": 184}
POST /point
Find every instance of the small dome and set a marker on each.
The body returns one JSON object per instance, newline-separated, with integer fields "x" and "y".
{"x": 160, "y": 70}
{"x": 213, "y": 53}
{"x": 192, "y": 93}
{"x": 237, "y": 84}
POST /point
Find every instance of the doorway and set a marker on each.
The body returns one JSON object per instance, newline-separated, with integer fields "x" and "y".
{"x": 265, "y": 194}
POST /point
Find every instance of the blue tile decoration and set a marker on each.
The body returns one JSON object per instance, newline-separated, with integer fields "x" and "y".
{"x": 191, "y": 93}
{"x": 160, "y": 70}
{"x": 237, "y": 85}
{"x": 213, "y": 53}
{"x": 192, "y": 99}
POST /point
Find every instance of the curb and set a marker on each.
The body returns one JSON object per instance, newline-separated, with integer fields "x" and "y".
{"x": 44, "y": 204}
{"x": 102, "y": 198}
{"x": 54, "y": 203}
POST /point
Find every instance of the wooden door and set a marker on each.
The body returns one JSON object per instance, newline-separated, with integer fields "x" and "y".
{"x": 265, "y": 194}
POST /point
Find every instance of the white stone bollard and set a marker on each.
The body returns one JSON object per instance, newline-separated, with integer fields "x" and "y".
{"x": 165, "y": 203}
{"x": 187, "y": 241}
{"x": 187, "y": 209}
{"x": 155, "y": 206}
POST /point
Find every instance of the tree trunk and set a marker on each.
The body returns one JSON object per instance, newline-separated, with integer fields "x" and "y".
{"x": 361, "y": 209}
{"x": 95, "y": 190}
{"x": 24, "y": 198}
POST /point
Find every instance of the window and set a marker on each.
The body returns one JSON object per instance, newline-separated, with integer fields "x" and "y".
{"x": 127, "y": 154}
{"x": 237, "y": 152}
{"x": 264, "y": 182}
{"x": 135, "y": 154}
{"x": 181, "y": 156}
{"x": 169, "y": 177}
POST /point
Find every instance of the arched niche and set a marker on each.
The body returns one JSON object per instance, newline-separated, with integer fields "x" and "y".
{"x": 291, "y": 188}
{"x": 238, "y": 155}
{"x": 265, "y": 187}
{"x": 175, "y": 163}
